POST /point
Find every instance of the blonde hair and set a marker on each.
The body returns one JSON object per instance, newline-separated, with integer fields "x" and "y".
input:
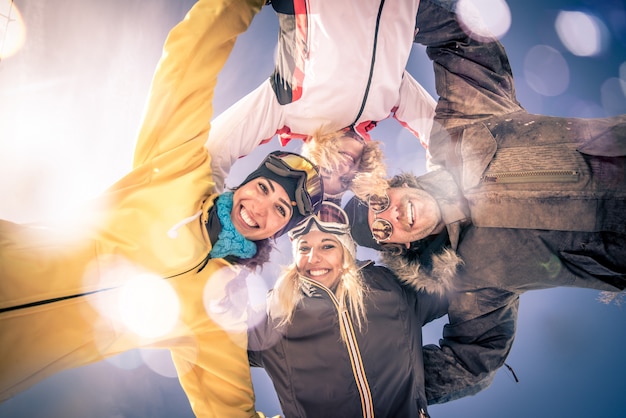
{"x": 323, "y": 150}
{"x": 350, "y": 292}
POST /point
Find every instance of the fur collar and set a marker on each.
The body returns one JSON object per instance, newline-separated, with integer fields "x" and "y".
{"x": 439, "y": 279}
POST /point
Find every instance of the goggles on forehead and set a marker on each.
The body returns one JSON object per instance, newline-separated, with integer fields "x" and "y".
{"x": 381, "y": 229}
{"x": 310, "y": 190}
{"x": 330, "y": 219}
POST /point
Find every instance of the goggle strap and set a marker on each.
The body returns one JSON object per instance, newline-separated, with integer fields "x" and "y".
{"x": 303, "y": 199}
{"x": 285, "y": 172}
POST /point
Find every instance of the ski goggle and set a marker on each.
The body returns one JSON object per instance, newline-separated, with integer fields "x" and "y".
{"x": 330, "y": 219}
{"x": 381, "y": 228}
{"x": 310, "y": 190}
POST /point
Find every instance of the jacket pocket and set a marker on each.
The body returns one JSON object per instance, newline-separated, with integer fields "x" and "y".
{"x": 534, "y": 176}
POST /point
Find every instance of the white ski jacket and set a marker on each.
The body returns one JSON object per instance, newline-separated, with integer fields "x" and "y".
{"x": 338, "y": 64}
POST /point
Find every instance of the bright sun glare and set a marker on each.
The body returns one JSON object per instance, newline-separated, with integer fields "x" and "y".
{"x": 149, "y": 306}
{"x": 12, "y": 29}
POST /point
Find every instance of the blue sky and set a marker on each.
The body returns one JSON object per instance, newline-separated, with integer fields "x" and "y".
{"x": 70, "y": 103}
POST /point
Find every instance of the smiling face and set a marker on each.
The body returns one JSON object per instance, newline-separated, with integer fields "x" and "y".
{"x": 319, "y": 257}
{"x": 413, "y": 213}
{"x": 338, "y": 180}
{"x": 261, "y": 208}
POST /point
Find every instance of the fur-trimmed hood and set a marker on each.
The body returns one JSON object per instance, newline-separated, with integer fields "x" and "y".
{"x": 438, "y": 279}
{"x": 432, "y": 264}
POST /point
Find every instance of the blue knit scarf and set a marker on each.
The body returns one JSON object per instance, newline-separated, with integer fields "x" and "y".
{"x": 229, "y": 240}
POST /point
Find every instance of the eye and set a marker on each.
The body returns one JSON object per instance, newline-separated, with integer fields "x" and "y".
{"x": 329, "y": 246}
{"x": 281, "y": 210}
{"x": 263, "y": 187}
{"x": 304, "y": 250}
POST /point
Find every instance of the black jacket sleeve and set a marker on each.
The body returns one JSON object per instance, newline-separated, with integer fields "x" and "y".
{"x": 475, "y": 343}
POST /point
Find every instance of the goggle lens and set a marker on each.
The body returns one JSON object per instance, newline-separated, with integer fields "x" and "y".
{"x": 310, "y": 191}
{"x": 332, "y": 213}
{"x": 330, "y": 219}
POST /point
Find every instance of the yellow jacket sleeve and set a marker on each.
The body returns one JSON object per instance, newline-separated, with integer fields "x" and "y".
{"x": 179, "y": 107}
{"x": 216, "y": 378}
{"x": 175, "y": 126}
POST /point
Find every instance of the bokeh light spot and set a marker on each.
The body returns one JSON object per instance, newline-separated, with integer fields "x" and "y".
{"x": 552, "y": 266}
{"x": 149, "y": 306}
{"x": 546, "y": 71}
{"x": 484, "y": 18}
{"x": 109, "y": 272}
{"x": 159, "y": 361}
{"x": 579, "y": 32}
{"x": 128, "y": 360}
{"x": 229, "y": 299}
{"x": 613, "y": 96}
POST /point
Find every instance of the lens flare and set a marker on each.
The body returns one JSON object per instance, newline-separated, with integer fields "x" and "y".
{"x": 128, "y": 360}
{"x": 12, "y": 29}
{"x": 580, "y": 33}
{"x": 613, "y": 96}
{"x": 546, "y": 71}
{"x": 159, "y": 361}
{"x": 552, "y": 266}
{"x": 484, "y": 19}
{"x": 149, "y": 306}
{"x": 230, "y": 298}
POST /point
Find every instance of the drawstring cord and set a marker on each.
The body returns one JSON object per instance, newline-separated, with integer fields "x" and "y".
{"x": 173, "y": 232}
{"x": 512, "y": 372}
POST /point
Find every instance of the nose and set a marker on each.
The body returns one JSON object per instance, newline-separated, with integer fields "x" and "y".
{"x": 392, "y": 214}
{"x": 260, "y": 208}
{"x": 313, "y": 256}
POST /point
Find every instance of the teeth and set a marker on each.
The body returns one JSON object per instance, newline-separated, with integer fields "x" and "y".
{"x": 247, "y": 219}
{"x": 315, "y": 273}
{"x": 348, "y": 157}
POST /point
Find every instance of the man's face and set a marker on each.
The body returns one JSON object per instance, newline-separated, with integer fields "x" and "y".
{"x": 412, "y": 213}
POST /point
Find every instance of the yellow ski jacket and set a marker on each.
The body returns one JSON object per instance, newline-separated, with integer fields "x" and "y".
{"x": 70, "y": 298}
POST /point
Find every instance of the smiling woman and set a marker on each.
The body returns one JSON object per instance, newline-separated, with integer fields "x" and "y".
{"x": 320, "y": 257}
{"x": 259, "y": 202}
{"x": 290, "y": 188}
{"x": 329, "y": 323}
